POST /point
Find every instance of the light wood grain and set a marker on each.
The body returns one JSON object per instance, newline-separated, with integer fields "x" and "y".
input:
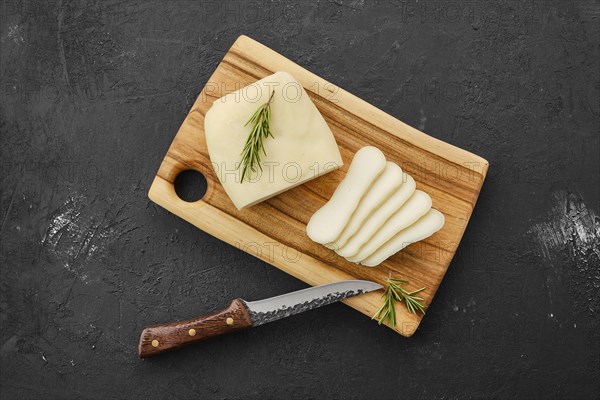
{"x": 275, "y": 230}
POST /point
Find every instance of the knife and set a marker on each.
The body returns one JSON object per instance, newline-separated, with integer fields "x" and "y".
{"x": 243, "y": 314}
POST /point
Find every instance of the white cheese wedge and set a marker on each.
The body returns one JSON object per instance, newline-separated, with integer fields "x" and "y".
{"x": 414, "y": 208}
{"x": 327, "y": 223}
{"x": 303, "y": 146}
{"x": 378, "y": 218}
{"x": 426, "y": 226}
{"x": 385, "y": 185}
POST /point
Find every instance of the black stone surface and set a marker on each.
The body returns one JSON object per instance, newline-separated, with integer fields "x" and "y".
{"x": 93, "y": 92}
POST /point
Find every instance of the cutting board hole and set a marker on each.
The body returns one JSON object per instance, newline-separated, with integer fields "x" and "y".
{"x": 190, "y": 185}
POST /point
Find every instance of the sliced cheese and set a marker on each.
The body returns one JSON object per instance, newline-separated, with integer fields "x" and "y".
{"x": 303, "y": 146}
{"x": 418, "y": 204}
{"x": 386, "y": 184}
{"x": 378, "y": 218}
{"x": 422, "y": 229}
{"x": 327, "y": 223}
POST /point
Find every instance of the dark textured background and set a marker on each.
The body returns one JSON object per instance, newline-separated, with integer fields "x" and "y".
{"x": 92, "y": 95}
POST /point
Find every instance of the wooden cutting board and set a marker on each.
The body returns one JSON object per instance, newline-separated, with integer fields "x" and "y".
{"x": 274, "y": 230}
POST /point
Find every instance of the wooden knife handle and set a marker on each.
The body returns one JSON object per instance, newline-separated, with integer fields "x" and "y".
{"x": 160, "y": 338}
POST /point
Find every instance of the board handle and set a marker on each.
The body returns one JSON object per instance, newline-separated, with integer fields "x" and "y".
{"x": 158, "y": 339}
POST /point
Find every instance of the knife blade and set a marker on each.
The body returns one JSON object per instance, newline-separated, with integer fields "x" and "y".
{"x": 243, "y": 314}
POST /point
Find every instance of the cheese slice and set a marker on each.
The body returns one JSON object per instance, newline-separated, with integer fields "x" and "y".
{"x": 412, "y": 210}
{"x": 328, "y": 222}
{"x": 378, "y": 218}
{"x": 422, "y": 229}
{"x": 303, "y": 146}
{"x": 387, "y": 183}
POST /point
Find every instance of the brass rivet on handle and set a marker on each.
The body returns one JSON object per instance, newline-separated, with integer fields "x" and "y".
{"x": 192, "y": 332}
{"x": 155, "y": 343}
{"x": 229, "y": 321}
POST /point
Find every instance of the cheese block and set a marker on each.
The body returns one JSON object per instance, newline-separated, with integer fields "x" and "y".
{"x": 412, "y": 210}
{"x": 378, "y": 218}
{"x": 328, "y": 222}
{"x": 422, "y": 229}
{"x": 303, "y": 146}
{"x": 387, "y": 183}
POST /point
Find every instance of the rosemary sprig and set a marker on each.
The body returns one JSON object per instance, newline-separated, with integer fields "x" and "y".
{"x": 254, "y": 144}
{"x": 393, "y": 293}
